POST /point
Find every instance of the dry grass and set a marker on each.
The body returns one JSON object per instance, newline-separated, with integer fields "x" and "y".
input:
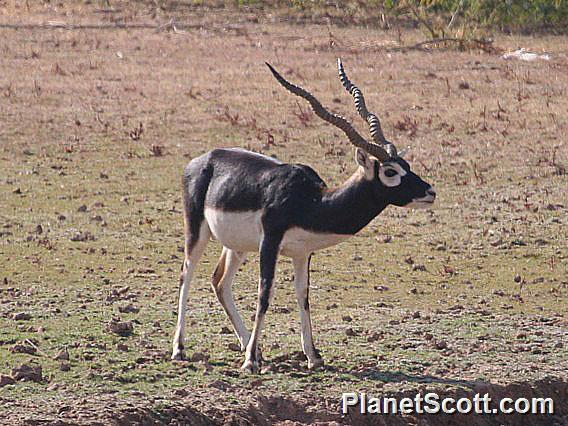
{"x": 106, "y": 117}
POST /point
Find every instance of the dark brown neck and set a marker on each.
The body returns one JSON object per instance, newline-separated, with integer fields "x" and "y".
{"x": 346, "y": 209}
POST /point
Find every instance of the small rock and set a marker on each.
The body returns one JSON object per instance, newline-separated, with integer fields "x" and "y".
{"x": 418, "y": 267}
{"x": 130, "y": 308}
{"x": 234, "y": 347}
{"x": 123, "y": 290}
{"x": 27, "y": 373}
{"x": 346, "y": 318}
{"x": 122, "y": 347}
{"x": 350, "y": 332}
{"x": 64, "y": 366}
{"x": 22, "y": 316}
{"x": 181, "y": 393}
{"x": 82, "y": 208}
{"x": 269, "y": 368}
{"x": 82, "y": 236}
{"x": 22, "y": 348}
{"x": 199, "y": 356}
{"x": 441, "y": 344}
{"x": 62, "y": 355}
{"x": 517, "y": 278}
{"x": 64, "y": 409}
{"x": 374, "y": 337}
{"x": 225, "y": 330}
{"x": 6, "y": 380}
{"x": 53, "y": 386}
{"x": 219, "y": 384}
{"x": 122, "y": 328}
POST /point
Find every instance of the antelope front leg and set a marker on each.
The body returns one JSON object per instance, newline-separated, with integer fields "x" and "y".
{"x": 268, "y": 256}
{"x": 302, "y": 285}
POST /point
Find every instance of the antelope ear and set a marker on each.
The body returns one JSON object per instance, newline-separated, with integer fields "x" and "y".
{"x": 366, "y": 162}
{"x": 361, "y": 157}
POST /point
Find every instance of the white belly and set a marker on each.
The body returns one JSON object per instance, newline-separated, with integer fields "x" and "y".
{"x": 239, "y": 231}
{"x": 242, "y": 231}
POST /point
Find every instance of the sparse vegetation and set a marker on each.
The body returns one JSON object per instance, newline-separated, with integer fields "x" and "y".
{"x": 439, "y": 18}
{"x": 469, "y": 297}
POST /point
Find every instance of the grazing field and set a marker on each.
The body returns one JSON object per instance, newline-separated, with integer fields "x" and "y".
{"x": 101, "y": 110}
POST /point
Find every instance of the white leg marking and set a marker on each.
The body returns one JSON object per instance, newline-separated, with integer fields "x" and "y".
{"x": 233, "y": 260}
{"x": 302, "y": 284}
{"x": 189, "y": 266}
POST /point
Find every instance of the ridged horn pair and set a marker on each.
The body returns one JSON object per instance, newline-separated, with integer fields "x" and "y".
{"x": 380, "y": 148}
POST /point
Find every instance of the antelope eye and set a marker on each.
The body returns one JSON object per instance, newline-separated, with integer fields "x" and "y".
{"x": 390, "y": 172}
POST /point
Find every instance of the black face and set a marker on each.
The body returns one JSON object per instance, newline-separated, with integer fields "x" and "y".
{"x": 402, "y": 187}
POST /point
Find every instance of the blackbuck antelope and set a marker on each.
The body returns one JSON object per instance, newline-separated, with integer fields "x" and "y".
{"x": 251, "y": 202}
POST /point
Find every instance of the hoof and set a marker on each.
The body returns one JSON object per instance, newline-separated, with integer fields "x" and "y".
{"x": 250, "y": 367}
{"x": 177, "y": 355}
{"x": 315, "y": 364}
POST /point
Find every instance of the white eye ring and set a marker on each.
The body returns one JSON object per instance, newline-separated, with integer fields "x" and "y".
{"x": 389, "y": 181}
{"x": 393, "y": 180}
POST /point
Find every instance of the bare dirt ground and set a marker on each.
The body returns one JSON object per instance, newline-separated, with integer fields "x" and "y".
{"x": 100, "y": 110}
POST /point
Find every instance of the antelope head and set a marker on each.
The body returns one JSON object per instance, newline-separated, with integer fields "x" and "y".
{"x": 392, "y": 179}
